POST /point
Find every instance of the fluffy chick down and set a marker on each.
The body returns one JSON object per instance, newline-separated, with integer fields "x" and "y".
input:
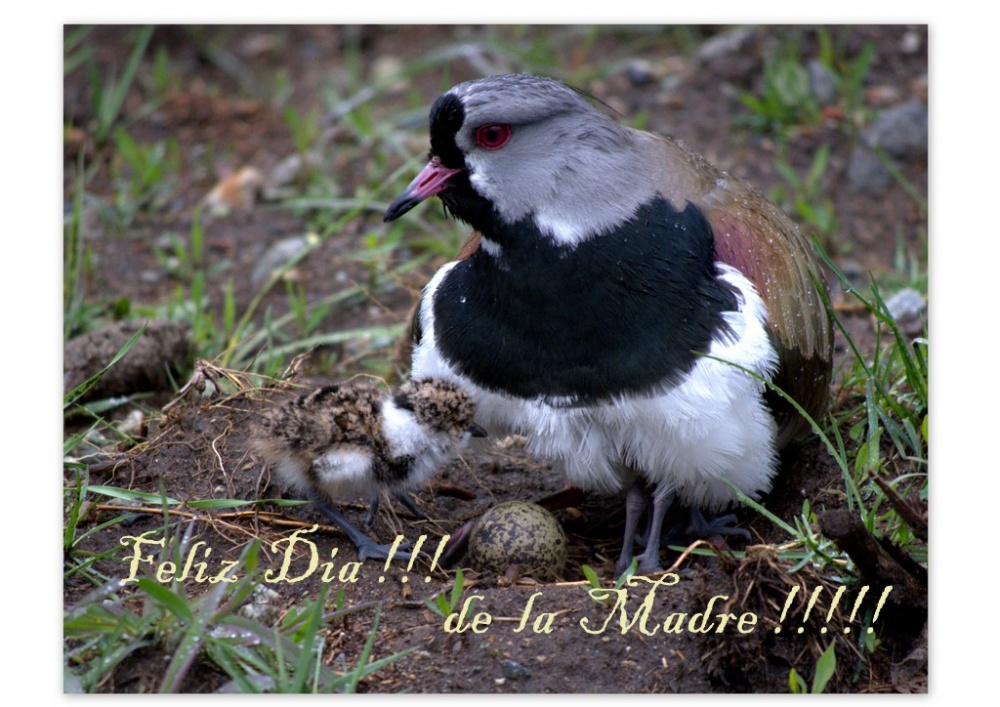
{"x": 341, "y": 441}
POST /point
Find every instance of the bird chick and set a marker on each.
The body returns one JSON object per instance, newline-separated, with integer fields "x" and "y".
{"x": 620, "y": 303}
{"x": 342, "y": 441}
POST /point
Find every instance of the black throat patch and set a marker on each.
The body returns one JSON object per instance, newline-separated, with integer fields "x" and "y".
{"x": 460, "y": 199}
{"x": 620, "y": 313}
{"x": 446, "y": 118}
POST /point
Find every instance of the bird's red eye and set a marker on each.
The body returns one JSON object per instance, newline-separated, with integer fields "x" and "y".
{"x": 493, "y": 136}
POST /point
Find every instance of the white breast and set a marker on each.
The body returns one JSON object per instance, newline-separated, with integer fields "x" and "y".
{"x": 685, "y": 439}
{"x": 407, "y": 437}
{"x": 344, "y": 473}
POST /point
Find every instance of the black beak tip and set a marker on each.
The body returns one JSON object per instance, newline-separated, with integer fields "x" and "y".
{"x": 399, "y": 207}
{"x": 478, "y": 431}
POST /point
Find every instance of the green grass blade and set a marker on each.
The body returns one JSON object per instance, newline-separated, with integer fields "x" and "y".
{"x": 826, "y": 666}
{"x": 127, "y": 495}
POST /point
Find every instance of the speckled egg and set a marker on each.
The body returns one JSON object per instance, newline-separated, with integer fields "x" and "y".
{"x": 518, "y": 533}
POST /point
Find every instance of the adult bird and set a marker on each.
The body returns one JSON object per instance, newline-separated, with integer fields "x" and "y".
{"x": 622, "y": 302}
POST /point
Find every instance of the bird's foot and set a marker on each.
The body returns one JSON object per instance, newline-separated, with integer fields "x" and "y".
{"x": 701, "y": 527}
{"x": 649, "y": 564}
{"x": 672, "y": 535}
{"x": 368, "y": 549}
{"x": 622, "y": 565}
{"x": 646, "y": 564}
{"x": 698, "y": 527}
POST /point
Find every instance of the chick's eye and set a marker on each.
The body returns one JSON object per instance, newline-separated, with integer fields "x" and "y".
{"x": 493, "y": 136}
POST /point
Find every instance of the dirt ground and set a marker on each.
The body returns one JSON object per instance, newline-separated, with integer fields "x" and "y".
{"x": 198, "y": 448}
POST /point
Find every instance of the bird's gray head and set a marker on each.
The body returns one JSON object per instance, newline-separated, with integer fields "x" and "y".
{"x": 519, "y": 146}
{"x": 439, "y": 405}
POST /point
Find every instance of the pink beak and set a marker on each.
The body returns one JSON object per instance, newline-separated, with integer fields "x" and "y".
{"x": 433, "y": 179}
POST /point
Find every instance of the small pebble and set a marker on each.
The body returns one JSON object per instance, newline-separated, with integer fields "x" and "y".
{"x": 278, "y": 255}
{"x": 235, "y": 192}
{"x": 725, "y": 44}
{"x": 911, "y": 43}
{"x": 287, "y": 171}
{"x": 909, "y": 310}
{"x": 512, "y": 670}
{"x": 901, "y": 133}
{"x": 150, "y": 277}
{"x": 639, "y": 73}
{"x": 263, "y": 606}
{"x": 821, "y": 83}
{"x": 883, "y": 95}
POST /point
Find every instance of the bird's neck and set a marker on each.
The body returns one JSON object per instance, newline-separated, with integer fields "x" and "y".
{"x": 404, "y": 436}
{"x": 414, "y": 450}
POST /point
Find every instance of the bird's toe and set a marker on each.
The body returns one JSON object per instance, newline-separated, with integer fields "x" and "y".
{"x": 701, "y": 527}
{"x": 374, "y": 551}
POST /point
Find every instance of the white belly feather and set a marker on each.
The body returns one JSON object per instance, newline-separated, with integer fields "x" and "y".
{"x": 685, "y": 439}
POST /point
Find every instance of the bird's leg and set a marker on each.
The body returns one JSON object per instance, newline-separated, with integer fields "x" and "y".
{"x": 643, "y": 537}
{"x": 367, "y": 548}
{"x": 372, "y": 507}
{"x": 411, "y": 505}
{"x": 698, "y": 527}
{"x": 636, "y": 499}
{"x": 649, "y": 560}
{"x": 702, "y": 527}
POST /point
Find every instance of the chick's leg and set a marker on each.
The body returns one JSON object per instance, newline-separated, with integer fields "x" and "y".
{"x": 367, "y": 548}
{"x": 372, "y": 507}
{"x": 411, "y": 505}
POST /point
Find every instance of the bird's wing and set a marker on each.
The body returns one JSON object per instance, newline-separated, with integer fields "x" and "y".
{"x": 756, "y": 237}
{"x": 334, "y": 415}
